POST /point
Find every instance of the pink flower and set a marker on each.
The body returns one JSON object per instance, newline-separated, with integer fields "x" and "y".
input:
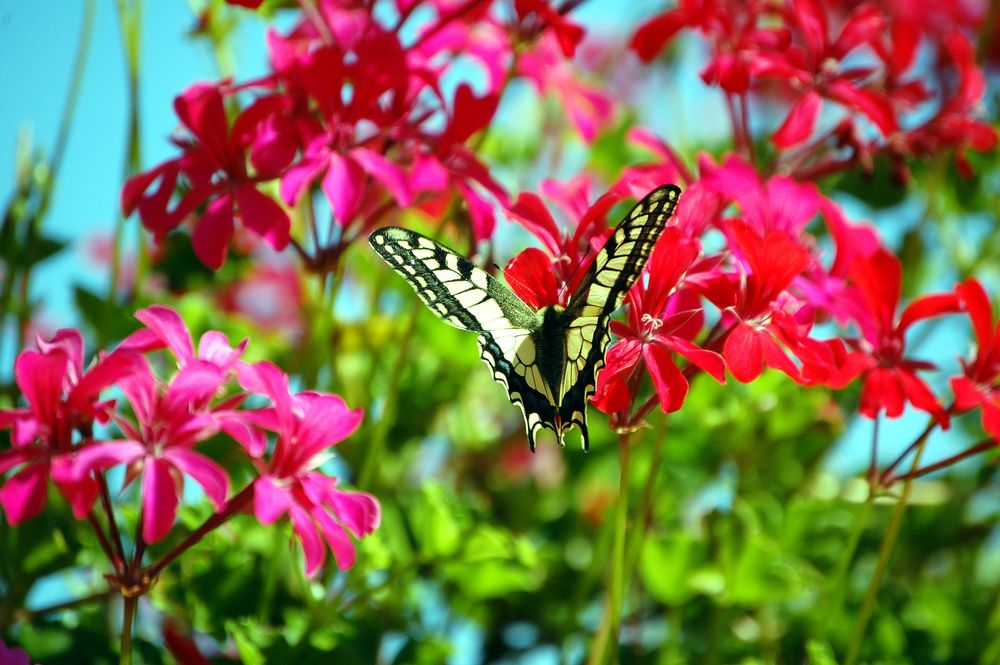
{"x": 63, "y": 403}
{"x": 170, "y": 420}
{"x": 590, "y": 107}
{"x": 306, "y": 425}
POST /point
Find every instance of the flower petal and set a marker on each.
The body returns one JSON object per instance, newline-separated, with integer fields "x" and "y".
{"x": 214, "y": 231}
{"x": 312, "y": 545}
{"x": 339, "y": 542}
{"x": 206, "y": 472}
{"x": 270, "y": 501}
{"x": 169, "y": 327}
{"x": 23, "y": 495}
{"x": 388, "y": 173}
{"x": 798, "y": 125}
{"x": 99, "y": 456}
{"x": 344, "y": 183}
{"x": 264, "y": 216}
{"x": 159, "y": 499}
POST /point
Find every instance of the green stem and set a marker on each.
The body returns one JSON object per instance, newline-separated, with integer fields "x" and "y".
{"x": 888, "y": 541}
{"x": 838, "y": 582}
{"x": 129, "y": 15}
{"x": 127, "y": 618}
{"x": 645, "y": 512}
{"x": 234, "y": 506}
{"x": 611, "y": 623}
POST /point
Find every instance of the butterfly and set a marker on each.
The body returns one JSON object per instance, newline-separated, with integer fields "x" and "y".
{"x": 547, "y": 359}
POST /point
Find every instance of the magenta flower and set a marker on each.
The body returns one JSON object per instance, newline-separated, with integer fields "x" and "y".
{"x": 170, "y": 420}
{"x": 306, "y": 425}
{"x": 13, "y": 655}
{"x": 214, "y": 167}
{"x": 63, "y": 401}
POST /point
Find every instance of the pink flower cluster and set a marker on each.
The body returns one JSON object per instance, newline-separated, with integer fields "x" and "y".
{"x": 356, "y": 110}
{"x": 58, "y": 434}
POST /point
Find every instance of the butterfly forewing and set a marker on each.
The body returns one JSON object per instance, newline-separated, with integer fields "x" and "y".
{"x": 466, "y": 297}
{"x": 457, "y": 291}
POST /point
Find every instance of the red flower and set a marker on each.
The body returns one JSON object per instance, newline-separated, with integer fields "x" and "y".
{"x": 567, "y": 34}
{"x": 542, "y": 279}
{"x": 214, "y": 170}
{"x": 889, "y": 378}
{"x": 979, "y": 384}
{"x": 754, "y": 298}
{"x": 63, "y": 400}
{"x": 662, "y": 320}
{"x": 306, "y": 425}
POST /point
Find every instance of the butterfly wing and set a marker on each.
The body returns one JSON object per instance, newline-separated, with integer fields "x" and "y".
{"x": 614, "y": 270}
{"x": 468, "y": 298}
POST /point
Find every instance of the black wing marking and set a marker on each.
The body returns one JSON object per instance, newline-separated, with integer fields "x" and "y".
{"x": 452, "y": 287}
{"x": 614, "y": 270}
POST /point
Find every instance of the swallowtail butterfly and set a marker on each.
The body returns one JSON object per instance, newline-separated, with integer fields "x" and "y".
{"x": 547, "y": 359}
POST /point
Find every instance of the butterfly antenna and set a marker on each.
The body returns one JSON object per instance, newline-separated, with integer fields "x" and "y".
{"x": 576, "y": 269}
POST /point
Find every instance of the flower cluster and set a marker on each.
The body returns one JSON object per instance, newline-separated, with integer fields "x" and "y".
{"x": 58, "y": 435}
{"x": 849, "y": 74}
{"x": 356, "y": 109}
{"x": 755, "y": 301}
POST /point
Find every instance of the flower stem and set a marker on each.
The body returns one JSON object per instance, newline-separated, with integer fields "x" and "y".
{"x": 127, "y": 618}
{"x": 838, "y": 582}
{"x": 982, "y": 446}
{"x": 886, "y": 476}
{"x": 129, "y": 14}
{"x": 231, "y": 508}
{"x": 116, "y": 539}
{"x": 381, "y": 433}
{"x": 888, "y": 541}
{"x": 611, "y": 624}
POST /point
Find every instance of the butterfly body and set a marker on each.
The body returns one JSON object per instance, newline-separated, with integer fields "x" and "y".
{"x": 547, "y": 359}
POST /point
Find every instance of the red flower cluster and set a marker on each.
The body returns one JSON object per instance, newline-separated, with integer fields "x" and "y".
{"x": 861, "y": 58}
{"x": 352, "y": 108}
{"x": 755, "y": 300}
{"x": 169, "y": 417}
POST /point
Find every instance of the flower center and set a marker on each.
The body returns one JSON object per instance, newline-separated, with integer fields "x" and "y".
{"x": 650, "y": 324}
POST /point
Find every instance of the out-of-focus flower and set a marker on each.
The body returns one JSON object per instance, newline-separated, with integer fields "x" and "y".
{"x": 979, "y": 384}
{"x": 590, "y": 108}
{"x": 305, "y": 425}
{"x": 13, "y": 655}
{"x": 270, "y": 295}
{"x": 63, "y": 404}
